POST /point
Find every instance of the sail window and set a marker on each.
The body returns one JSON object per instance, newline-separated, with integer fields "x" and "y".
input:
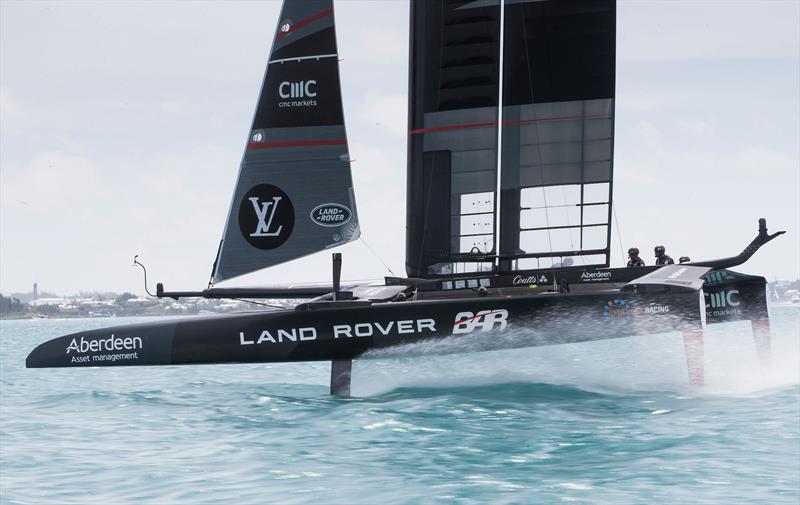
{"x": 596, "y": 193}
{"x": 476, "y": 223}
{"x": 557, "y": 221}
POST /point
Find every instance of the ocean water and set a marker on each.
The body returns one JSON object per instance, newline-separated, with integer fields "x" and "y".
{"x": 602, "y": 422}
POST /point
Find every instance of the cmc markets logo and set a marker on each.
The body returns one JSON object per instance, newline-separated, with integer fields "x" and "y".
{"x": 301, "y": 89}
{"x": 717, "y": 277}
{"x": 111, "y": 343}
{"x": 723, "y": 303}
{"x": 297, "y": 94}
{"x": 331, "y": 214}
{"x": 722, "y": 299}
{"x": 484, "y": 320}
{"x": 595, "y": 276}
{"x": 266, "y": 217}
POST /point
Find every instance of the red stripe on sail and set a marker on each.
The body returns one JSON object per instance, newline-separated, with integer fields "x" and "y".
{"x": 306, "y": 21}
{"x": 295, "y": 143}
{"x": 507, "y": 122}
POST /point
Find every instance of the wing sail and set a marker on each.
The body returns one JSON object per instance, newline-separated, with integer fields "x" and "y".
{"x": 558, "y": 132}
{"x": 452, "y": 145}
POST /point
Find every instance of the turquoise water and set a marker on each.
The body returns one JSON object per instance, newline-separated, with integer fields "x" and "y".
{"x": 604, "y": 422}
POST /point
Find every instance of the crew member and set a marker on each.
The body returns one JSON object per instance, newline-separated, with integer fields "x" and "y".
{"x": 635, "y": 260}
{"x": 661, "y": 256}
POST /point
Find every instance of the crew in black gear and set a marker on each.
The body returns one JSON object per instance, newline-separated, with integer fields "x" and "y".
{"x": 635, "y": 260}
{"x": 661, "y": 256}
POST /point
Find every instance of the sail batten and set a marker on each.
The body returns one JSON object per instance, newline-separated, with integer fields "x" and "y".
{"x": 294, "y": 192}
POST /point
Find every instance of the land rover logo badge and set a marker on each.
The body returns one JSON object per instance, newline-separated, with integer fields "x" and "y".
{"x": 331, "y": 214}
{"x": 266, "y": 216}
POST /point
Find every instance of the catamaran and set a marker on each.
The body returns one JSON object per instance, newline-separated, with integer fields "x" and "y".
{"x": 509, "y": 206}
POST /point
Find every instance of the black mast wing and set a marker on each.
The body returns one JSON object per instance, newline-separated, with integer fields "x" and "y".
{"x": 558, "y": 132}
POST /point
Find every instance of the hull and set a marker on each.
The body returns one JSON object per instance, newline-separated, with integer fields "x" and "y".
{"x": 347, "y": 330}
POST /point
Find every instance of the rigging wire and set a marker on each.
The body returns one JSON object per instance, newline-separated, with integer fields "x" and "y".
{"x": 619, "y": 233}
{"x": 538, "y": 147}
{"x": 497, "y": 223}
{"x": 259, "y": 303}
{"x": 378, "y": 257}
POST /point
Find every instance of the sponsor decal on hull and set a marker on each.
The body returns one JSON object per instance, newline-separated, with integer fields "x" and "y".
{"x": 337, "y": 331}
{"x": 598, "y": 276}
{"x": 111, "y": 344}
{"x": 531, "y": 280}
{"x": 484, "y": 320}
{"x": 723, "y": 303}
{"x": 280, "y": 336}
{"x": 621, "y": 308}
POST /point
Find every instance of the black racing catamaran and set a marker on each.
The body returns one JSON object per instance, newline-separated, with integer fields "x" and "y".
{"x": 510, "y": 164}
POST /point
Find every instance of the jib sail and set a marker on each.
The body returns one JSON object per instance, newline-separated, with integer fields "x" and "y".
{"x": 558, "y": 133}
{"x": 454, "y": 89}
{"x": 294, "y": 193}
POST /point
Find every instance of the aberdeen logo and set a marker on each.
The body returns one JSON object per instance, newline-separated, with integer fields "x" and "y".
{"x": 111, "y": 343}
{"x": 484, "y": 320}
{"x": 331, "y": 214}
{"x": 266, "y": 217}
{"x": 596, "y": 276}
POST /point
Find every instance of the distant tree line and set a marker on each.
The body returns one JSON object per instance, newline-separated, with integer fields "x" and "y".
{"x": 10, "y": 305}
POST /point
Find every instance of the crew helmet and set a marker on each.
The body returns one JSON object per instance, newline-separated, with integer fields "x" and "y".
{"x": 659, "y": 249}
{"x": 685, "y": 259}
{"x": 633, "y": 251}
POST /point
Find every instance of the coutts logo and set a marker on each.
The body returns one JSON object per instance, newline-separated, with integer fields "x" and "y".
{"x": 331, "y": 214}
{"x": 106, "y": 344}
{"x": 530, "y": 280}
{"x": 595, "y": 276}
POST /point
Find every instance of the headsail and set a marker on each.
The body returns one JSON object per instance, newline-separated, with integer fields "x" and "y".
{"x": 558, "y": 132}
{"x": 452, "y": 148}
{"x": 294, "y": 195}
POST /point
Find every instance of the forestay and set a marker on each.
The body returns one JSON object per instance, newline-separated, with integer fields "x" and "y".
{"x": 294, "y": 193}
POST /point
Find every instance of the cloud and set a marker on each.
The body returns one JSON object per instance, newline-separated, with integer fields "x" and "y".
{"x": 667, "y": 30}
{"x": 53, "y": 181}
{"x": 386, "y": 112}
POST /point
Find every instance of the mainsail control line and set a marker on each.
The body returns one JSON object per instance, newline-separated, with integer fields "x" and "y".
{"x": 297, "y": 135}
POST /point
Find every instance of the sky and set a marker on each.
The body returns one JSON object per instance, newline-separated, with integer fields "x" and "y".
{"x": 122, "y": 125}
